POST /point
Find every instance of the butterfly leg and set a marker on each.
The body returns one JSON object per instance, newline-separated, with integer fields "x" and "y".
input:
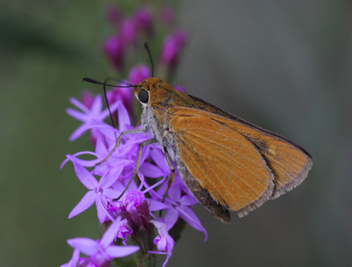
{"x": 118, "y": 140}
{"x": 135, "y": 172}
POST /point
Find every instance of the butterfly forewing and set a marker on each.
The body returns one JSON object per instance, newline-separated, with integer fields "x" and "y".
{"x": 223, "y": 161}
{"x": 289, "y": 162}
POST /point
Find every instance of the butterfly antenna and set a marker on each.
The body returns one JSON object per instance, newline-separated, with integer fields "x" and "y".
{"x": 105, "y": 84}
{"x": 127, "y": 85}
{"x": 108, "y": 105}
{"x": 146, "y": 47}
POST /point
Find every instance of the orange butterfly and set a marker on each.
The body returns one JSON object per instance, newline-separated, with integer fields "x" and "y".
{"x": 226, "y": 162}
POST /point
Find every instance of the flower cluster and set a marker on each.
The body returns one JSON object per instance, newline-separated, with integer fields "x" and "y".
{"x": 140, "y": 26}
{"x": 141, "y": 211}
{"x": 133, "y": 210}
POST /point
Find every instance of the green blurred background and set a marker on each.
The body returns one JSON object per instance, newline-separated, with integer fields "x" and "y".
{"x": 284, "y": 65}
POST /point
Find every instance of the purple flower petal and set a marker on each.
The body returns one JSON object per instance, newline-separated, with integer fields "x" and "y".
{"x": 101, "y": 211}
{"x": 155, "y": 205}
{"x": 159, "y": 158}
{"x": 110, "y": 178}
{"x": 79, "y": 132}
{"x": 150, "y": 170}
{"x": 120, "y": 251}
{"x": 110, "y": 234}
{"x": 188, "y": 216}
{"x": 188, "y": 200}
{"x": 174, "y": 193}
{"x": 84, "y": 204}
{"x": 77, "y": 114}
{"x": 79, "y": 105}
{"x": 112, "y": 193}
{"x": 97, "y": 105}
{"x": 170, "y": 218}
{"x": 86, "y": 178}
{"x": 100, "y": 147}
{"x": 86, "y": 245}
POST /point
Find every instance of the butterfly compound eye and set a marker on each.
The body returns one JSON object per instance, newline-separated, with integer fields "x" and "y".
{"x": 143, "y": 96}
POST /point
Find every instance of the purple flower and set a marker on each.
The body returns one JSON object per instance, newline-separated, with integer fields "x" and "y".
{"x": 172, "y": 47}
{"x": 113, "y": 48}
{"x": 91, "y": 117}
{"x": 144, "y": 21}
{"x": 102, "y": 251}
{"x": 179, "y": 207}
{"x": 135, "y": 209}
{"x": 138, "y": 74}
{"x": 121, "y": 94}
{"x": 181, "y": 37}
{"x": 99, "y": 191}
{"x": 164, "y": 241}
{"x": 128, "y": 32}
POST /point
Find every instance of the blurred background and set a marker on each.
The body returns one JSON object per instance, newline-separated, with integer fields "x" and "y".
{"x": 283, "y": 65}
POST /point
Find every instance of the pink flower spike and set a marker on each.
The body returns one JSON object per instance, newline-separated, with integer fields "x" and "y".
{"x": 128, "y": 32}
{"x": 172, "y": 47}
{"x": 114, "y": 50}
{"x": 144, "y": 20}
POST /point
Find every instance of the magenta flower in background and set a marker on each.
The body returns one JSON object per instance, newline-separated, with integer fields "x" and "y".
{"x": 138, "y": 74}
{"x": 113, "y": 48}
{"x": 144, "y": 21}
{"x": 128, "y": 31}
{"x": 87, "y": 99}
{"x": 124, "y": 95}
{"x": 172, "y": 47}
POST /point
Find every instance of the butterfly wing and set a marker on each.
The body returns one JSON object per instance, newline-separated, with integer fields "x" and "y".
{"x": 240, "y": 165}
{"x": 221, "y": 160}
{"x": 289, "y": 162}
